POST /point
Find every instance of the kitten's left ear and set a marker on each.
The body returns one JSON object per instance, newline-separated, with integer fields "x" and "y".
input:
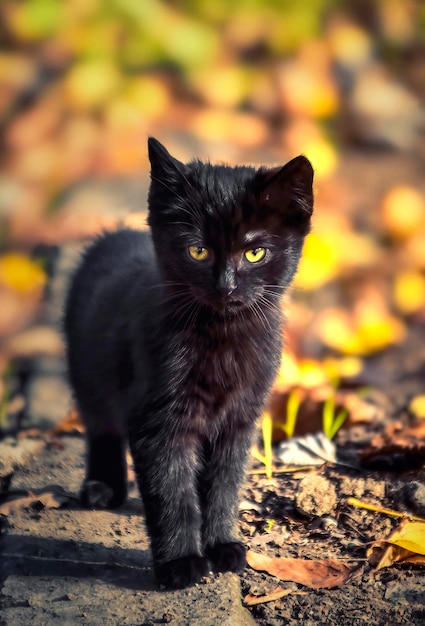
{"x": 289, "y": 190}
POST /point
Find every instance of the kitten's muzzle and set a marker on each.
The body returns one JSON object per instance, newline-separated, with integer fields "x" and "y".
{"x": 226, "y": 283}
{"x": 225, "y": 291}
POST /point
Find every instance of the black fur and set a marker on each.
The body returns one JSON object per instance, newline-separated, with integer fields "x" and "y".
{"x": 178, "y": 355}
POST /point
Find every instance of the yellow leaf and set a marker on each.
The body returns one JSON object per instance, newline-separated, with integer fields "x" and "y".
{"x": 21, "y": 274}
{"x": 312, "y": 373}
{"x": 403, "y": 211}
{"x": 376, "y": 334}
{"x": 319, "y": 263}
{"x": 345, "y": 367}
{"x": 32, "y": 21}
{"x": 225, "y": 86}
{"x": 405, "y": 545}
{"x": 149, "y": 96}
{"x": 91, "y": 83}
{"x": 350, "y": 44}
{"x": 409, "y": 291}
{"x": 307, "y": 91}
{"x": 417, "y": 406}
{"x": 322, "y": 155}
{"x": 359, "y": 335}
{"x": 410, "y": 536}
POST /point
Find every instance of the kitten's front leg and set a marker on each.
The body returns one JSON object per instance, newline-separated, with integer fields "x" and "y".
{"x": 166, "y": 466}
{"x": 219, "y": 488}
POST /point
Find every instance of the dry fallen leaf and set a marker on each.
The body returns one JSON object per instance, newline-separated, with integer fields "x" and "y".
{"x": 275, "y": 594}
{"x": 405, "y": 545}
{"x": 317, "y": 573}
{"x": 46, "y": 500}
{"x": 70, "y": 424}
{"x": 410, "y": 535}
{"x": 311, "y": 449}
{"x": 398, "y": 447}
{"x": 382, "y": 554}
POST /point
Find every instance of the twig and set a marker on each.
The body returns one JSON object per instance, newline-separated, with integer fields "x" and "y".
{"x": 376, "y": 509}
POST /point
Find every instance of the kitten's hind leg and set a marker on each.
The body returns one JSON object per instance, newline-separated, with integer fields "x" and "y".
{"x": 105, "y": 485}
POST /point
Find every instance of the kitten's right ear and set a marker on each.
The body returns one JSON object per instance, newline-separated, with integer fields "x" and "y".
{"x": 288, "y": 190}
{"x": 163, "y": 165}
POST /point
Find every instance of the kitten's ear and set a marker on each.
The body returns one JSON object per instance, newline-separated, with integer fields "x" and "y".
{"x": 163, "y": 165}
{"x": 289, "y": 190}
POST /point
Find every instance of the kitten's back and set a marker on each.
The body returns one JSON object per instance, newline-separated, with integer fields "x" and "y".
{"x": 112, "y": 281}
{"x": 107, "y": 269}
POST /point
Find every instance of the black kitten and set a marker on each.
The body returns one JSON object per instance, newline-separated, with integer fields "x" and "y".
{"x": 174, "y": 339}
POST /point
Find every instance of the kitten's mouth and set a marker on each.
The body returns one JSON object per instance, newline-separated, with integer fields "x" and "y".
{"x": 226, "y": 306}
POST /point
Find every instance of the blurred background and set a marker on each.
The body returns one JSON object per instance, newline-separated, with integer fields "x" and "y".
{"x": 84, "y": 82}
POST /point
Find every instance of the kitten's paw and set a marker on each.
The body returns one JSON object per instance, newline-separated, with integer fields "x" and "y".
{"x": 96, "y": 494}
{"x": 182, "y": 572}
{"x": 228, "y": 557}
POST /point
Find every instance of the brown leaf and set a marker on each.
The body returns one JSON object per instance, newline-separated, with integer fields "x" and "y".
{"x": 406, "y": 544}
{"x": 276, "y": 594}
{"x": 46, "y": 500}
{"x": 383, "y": 554}
{"x": 398, "y": 447}
{"x": 318, "y": 573}
{"x": 70, "y": 424}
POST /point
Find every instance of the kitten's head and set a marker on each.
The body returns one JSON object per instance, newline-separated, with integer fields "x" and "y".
{"x": 228, "y": 237}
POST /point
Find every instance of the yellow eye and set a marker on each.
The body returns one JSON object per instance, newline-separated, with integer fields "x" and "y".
{"x": 255, "y": 255}
{"x": 198, "y": 253}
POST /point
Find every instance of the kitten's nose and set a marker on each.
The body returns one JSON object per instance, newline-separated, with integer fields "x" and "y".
{"x": 226, "y": 283}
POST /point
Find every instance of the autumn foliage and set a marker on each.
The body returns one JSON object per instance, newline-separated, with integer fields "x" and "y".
{"x": 84, "y": 82}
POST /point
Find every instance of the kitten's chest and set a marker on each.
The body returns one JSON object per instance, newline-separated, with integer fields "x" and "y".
{"x": 222, "y": 374}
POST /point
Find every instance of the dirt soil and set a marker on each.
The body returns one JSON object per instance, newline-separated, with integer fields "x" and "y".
{"x": 67, "y": 565}
{"x": 62, "y": 565}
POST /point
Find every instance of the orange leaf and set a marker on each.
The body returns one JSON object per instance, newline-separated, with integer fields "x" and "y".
{"x": 70, "y": 424}
{"x": 276, "y": 594}
{"x": 317, "y": 573}
{"x": 46, "y": 500}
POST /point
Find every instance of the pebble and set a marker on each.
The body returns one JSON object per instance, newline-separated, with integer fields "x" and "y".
{"x": 315, "y": 495}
